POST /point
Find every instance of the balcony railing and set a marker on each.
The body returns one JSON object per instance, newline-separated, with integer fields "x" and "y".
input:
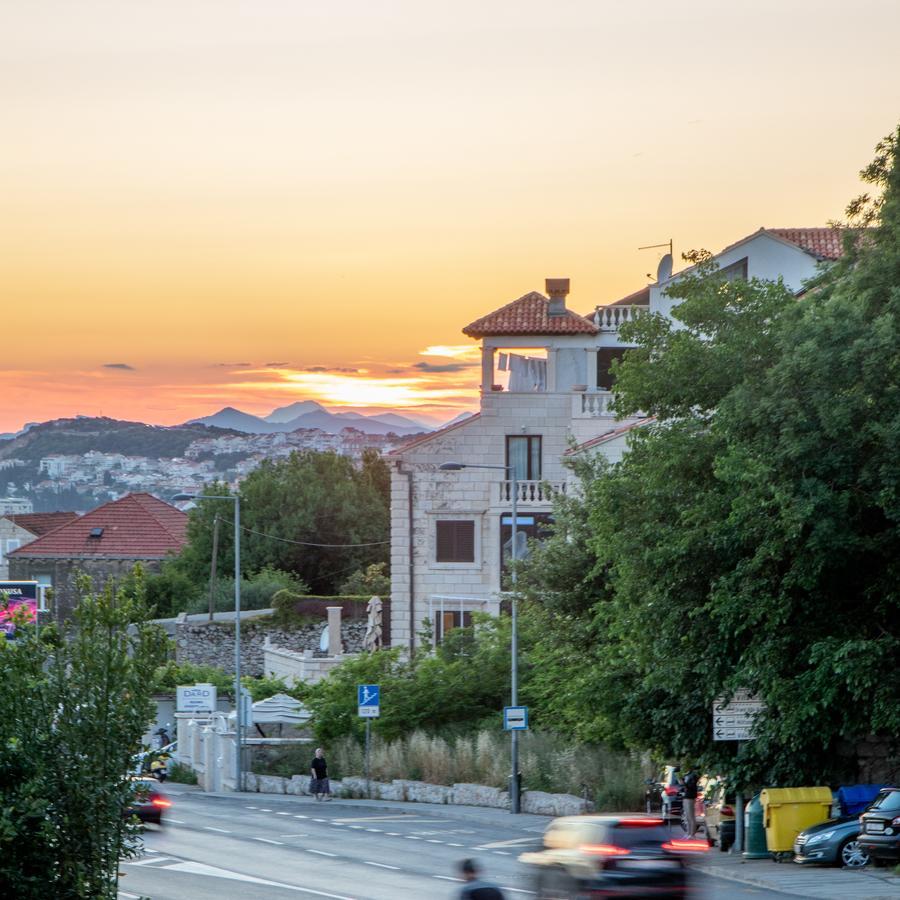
{"x": 592, "y": 405}
{"x": 610, "y": 318}
{"x": 531, "y": 492}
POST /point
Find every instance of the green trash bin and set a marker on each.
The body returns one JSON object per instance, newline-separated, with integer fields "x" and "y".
{"x": 787, "y": 811}
{"x": 755, "y": 831}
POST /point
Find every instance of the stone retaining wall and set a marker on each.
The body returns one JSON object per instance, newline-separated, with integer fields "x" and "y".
{"x": 212, "y": 643}
{"x": 536, "y": 802}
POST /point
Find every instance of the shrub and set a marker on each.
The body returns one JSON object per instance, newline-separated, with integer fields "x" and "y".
{"x": 181, "y": 774}
{"x": 257, "y": 592}
{"x": 372, "y": 581}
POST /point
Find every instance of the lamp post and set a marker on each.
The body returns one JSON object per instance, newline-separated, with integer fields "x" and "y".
{"x": 238, "y": 711}
{"x": 514, "y": 639}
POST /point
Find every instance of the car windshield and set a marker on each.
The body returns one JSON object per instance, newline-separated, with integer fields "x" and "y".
{"x": 629, "y": 836}
{"x": 889, "y": 801}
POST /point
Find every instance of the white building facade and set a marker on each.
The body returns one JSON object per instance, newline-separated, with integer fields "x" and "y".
{"x": 545, "y": 387}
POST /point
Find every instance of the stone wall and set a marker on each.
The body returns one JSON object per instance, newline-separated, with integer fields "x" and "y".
{"x": 212, "y": 643}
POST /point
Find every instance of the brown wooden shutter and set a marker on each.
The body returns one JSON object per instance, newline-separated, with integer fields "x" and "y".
{"x": 455, "y": 542}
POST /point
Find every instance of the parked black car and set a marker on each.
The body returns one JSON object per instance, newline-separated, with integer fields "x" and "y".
{"x": 879, "y": 827}
{"x": 603, "y": 856}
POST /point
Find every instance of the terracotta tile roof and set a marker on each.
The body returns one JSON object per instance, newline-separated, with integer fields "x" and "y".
{"x": 638, "y": 298}
{"x": 399, "y": 451}
{"x": 610, "y": 435}
{"x": 528, "y": 315}
{"x": 41, "y": 523}
{"x": 823, "y": 243}
{"x": 137, "y": 526}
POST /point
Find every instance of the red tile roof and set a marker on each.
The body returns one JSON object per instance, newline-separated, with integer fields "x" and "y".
{"x": 137, "y": 526}
{"x": 610, "y": 435}
{"x": 41, "y": 523}
{"x": 823, "y": 243}
{"x": 528, "y": 315}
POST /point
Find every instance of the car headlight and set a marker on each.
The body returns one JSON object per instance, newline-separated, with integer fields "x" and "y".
{"x": 818, "y": 838}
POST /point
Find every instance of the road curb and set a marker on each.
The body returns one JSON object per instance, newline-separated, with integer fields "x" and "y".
{"x": 768, "y": 883}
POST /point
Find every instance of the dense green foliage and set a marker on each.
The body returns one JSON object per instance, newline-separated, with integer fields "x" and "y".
{"x": 371, "y": 581}
{"x": 287, "y": 504}
{"x": 72, "y": 714}
{"x": 750, "y": 538}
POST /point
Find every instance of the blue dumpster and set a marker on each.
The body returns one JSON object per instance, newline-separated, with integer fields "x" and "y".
{"x": 855, "y": 798}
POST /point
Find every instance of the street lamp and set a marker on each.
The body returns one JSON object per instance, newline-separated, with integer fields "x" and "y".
{"x": 514, "y": 641}
{"x": 234, "y": 498}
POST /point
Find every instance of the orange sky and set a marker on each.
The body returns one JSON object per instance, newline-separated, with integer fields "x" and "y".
{"x": 234, "y": 199}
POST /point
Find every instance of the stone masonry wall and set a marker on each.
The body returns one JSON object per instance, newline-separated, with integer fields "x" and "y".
{"x": 212, "y": 643}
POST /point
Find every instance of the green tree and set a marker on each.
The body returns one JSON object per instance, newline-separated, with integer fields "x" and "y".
{"x": 373, "y": 581}
{"x": 72, "y": 713}
{"x": 750, "y": 537}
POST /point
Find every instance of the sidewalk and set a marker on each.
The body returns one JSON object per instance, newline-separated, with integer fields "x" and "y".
{"x": 803, "y": 881}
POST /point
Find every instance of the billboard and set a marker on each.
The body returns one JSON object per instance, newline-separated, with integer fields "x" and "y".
{"x": 17, "y": 595}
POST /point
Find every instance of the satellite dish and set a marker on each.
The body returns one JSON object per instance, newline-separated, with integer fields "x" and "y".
{"x": 664, "y": 270}
{"x": 323, "y": 641}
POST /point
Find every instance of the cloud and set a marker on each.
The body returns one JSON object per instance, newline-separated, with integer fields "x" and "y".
{"x": 238, "y": 365}
{"x": 275, "y": 365}
{"x": 441, "y": 367}
{"x": 453, "y": 351}
{"x": 347, "y": 371}
{"x": 123, "y": 366}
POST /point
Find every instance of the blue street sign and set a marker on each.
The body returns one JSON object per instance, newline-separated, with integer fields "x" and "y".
{"x": 515, "y": 718}
{"x": 368, "y": 700}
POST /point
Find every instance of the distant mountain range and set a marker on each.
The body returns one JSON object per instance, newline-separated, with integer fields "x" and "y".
{"x": 309, "y": 414}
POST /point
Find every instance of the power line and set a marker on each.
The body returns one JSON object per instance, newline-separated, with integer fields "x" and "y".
{"x": 273, "y": 537}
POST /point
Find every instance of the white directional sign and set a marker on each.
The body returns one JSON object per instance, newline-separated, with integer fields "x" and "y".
{"x": 733, "y": 721}
{"x": 515, "y": 718}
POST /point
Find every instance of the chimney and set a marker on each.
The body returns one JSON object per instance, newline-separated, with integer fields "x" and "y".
{"x": 557, "y": 289}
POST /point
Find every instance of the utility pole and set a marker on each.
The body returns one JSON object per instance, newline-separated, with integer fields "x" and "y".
{"x": 212, "y": 568}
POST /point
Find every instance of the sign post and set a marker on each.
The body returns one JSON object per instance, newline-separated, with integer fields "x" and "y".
{"x": 733, "y": 721}
{"x": 368, "y": 707}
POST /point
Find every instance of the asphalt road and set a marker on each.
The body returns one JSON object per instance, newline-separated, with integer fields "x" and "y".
{"x": 277, "y": 847}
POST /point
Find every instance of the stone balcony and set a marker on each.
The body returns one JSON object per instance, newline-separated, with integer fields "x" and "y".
{"x": 592, "y": 405}
{"x": 531, "y": 493}
{"x": 611, "y": 318}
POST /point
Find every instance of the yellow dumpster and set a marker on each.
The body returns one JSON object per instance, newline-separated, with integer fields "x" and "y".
{"x": 787, "y": 811}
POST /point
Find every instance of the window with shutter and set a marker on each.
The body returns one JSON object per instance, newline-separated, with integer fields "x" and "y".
{"x": 455, "y": 541}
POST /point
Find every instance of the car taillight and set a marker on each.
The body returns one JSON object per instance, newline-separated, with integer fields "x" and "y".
{"x": 160, "y": 802}
{"x": 727, "y": 811}
{"x": 671, "y": 791}
{"x": 641, "y": 823}
{"x": 686, "y": 845}
{"x": 604, "y": 850}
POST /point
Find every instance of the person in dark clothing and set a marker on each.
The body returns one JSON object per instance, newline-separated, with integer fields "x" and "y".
{"x": 319, "y": 784}
{"x": 691, "y": 783}
{"x": 475, "y": 888}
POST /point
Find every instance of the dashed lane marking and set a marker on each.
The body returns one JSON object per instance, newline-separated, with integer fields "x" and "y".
{"x": 301, "y": 817}
{"x": 319, "y": 852}
{"x": 251, "y": 807}
{"x": 453, "y": 845}
{"x": 220, "y": 830}
{"x": 282, "y": 814}
{"x": 267, "y": 841}
{"x": 501, "y": 853}
{"x": 513, "y": 890}
{"x": 357, "y": 827}
{"x": 392, "y": 833}
{"x": 381, "y": 865}
{"x": 375, "y": 830}
{"x": 412, "y": 837}
{"x": 175, "y": 821}
{"x": 433, "y": 841}
{"x": 264, "y": 810}
{"x": 447, "y": 878}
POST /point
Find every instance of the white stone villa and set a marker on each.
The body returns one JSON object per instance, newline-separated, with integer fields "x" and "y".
{"x": 545, "y": 382}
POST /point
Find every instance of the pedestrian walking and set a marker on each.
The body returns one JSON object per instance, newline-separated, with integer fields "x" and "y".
{"x": 475, "y": 887}
{"x": 319, "y": 784}
{"x": 691, "y": 783}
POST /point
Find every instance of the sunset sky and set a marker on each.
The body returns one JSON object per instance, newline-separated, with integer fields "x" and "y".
{"x": 211, "y": 202}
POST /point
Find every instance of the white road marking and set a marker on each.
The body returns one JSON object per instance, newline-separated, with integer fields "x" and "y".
{"x": 319, "y": 852}
{"x": 357, "y": 827}
{"x": 148, "y": 850}
{"x": 501, "y": 853}
{"x": 513, "y": 843}
{"x": 454, "y": 845}
{"x": 433, "y": 841}
{"x": 195, "y": 868}
{"x": 264, "y": 810}
{"x": 267, "y": 841}
{"x": 175, "y": 821}
{"x": 412, "y": 837}
{"x": 301, "y": 817}
{"x": 251, "y": 807}
{"x": 393, "y": 833}
{"x": 147, "y": 862}
{"x": 517, "y": 890}
{"x": 129, "y": 896}
{"x": 220, "y": 830}
{"x": 406, "y": 817}
{"x": 447, "y": 878}
{"x": 282, "y": 814}
{"x": 374, "y": 830}
{"x": 320, "y": 820}
{"x": 381, "y": 865}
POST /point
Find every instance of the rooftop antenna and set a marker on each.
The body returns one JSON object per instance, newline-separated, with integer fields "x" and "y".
{"x": 664, "y": 270}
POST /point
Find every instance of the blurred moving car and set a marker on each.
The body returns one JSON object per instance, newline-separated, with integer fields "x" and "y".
{"x": 665, "y": 795}
{"x": 603, "y": 856}
{"x": 879, "y": 827}
{"x": 835, "y": 842}
{"x": 149, "y": 802}
{"x": 719, "y": 820}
